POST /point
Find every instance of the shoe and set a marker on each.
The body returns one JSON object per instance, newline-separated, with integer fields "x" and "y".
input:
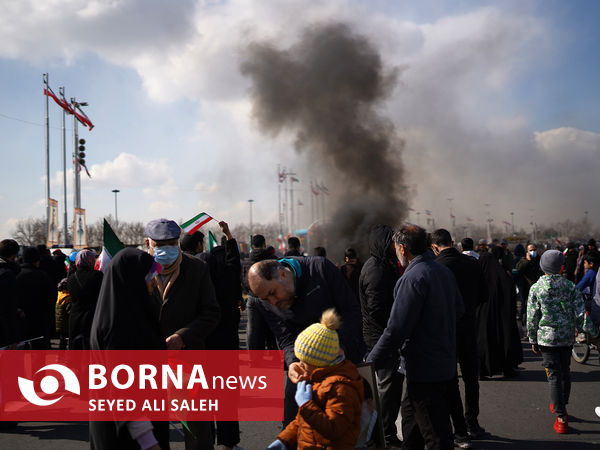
{"x": 597, "y": 410}
{"x": 561, "y": 425}
{"x": 393, "y": 443}
{"x": 462, "y": 441}
{"x": 477, "y": 432}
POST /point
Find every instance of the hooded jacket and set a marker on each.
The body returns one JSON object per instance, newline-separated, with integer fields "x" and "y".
{"x": 331, "y": 420}
{"x": 8, "y": 302}
{"x": 376, "y": 285}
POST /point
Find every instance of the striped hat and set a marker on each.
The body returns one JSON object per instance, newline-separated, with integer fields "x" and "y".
{"x": 319, "y": 344}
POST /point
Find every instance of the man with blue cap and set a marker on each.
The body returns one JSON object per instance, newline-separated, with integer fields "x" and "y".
{"x": 189, "y": 311}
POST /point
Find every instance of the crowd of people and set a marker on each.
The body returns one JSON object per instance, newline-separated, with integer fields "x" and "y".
{"x": 420, "y": 307}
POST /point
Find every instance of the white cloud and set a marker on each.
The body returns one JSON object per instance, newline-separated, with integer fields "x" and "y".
{"x": 568, "y": 143}
{"x": 129, "y": 170}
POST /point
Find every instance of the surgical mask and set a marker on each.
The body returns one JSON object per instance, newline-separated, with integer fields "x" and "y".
{"x": 533, "y": 253}
{"x": 166, "y": 254}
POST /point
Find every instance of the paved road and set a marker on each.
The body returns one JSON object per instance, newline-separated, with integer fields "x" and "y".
{"x": 514, "y": 410}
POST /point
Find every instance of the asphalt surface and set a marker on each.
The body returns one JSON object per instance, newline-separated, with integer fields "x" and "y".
{"x": 514, "y": 410}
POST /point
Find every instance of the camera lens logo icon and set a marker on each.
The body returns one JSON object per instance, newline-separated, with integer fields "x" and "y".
{"x": 49, "y": 385}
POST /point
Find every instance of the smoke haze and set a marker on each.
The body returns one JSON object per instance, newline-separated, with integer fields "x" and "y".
{"x": 327, "y": 89}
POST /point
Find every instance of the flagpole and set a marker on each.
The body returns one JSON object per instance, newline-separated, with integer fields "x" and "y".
{"x": 292, "y": 207}
{"x": 76, "y": 197}
{"x": 45, "y": 81}
{"x": 312, "y": 203}
{"x": 287, "y": 216}
{"x": 61, "y": 91}
{"x": 279, "y": 196}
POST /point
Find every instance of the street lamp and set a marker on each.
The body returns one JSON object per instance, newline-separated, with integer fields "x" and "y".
{"x": 250, "y": 205}
{"x": 116, "y": 191}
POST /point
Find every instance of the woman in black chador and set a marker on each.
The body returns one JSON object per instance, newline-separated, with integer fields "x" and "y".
{"x": 126, "y": 318}
{"x": 499, "y": 343}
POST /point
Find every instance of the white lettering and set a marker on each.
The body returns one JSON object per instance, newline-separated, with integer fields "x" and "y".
{"x": 197, "y": 376}
{"x": 147, "y": 373}
{"x": 92, "y": 405}
{"x": 231, "y": 380}
{"x": 97, "y": 372}
{"x": 177, "y": 380}
{"x": 115, "y": 374}
{"x": 262, "y": 380}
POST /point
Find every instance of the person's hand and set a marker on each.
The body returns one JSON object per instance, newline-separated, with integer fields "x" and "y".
{"x": 535, "y": 349}
{"x": 225, "y": 230}
{"x": 174, "y": 342}
{"x": 303, "y": 393}
{"x": 296, "y": 373}
{"x": 276, "y": 445}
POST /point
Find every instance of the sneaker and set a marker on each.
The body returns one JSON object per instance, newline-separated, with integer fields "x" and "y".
{"x": 561, "y": 425}
{"x": 477, "y": 432}
{"x": 597, "y": 410}
{"x": 462, "y": 441}
{"x": 393, "y": 443}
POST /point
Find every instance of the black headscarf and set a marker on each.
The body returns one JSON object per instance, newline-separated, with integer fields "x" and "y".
{"x": 126, "y": 316}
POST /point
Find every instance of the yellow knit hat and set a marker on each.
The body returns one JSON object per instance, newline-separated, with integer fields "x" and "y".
{"x": 319, "y": 344}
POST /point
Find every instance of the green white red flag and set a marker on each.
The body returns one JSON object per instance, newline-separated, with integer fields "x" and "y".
{"x": 110, "y": 247}
{"x": 196, "y": 222}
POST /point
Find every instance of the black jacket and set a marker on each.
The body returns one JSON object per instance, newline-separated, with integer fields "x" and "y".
{"x": 471, "y": 282}
{"x": 376, "y": 285}
{"x": 320, "y": 286}
{"x": 36, "y": 296}
{"x": 8, "y": 303}
{"x": 570, "y": 264}
{"x": 84, "y": 286}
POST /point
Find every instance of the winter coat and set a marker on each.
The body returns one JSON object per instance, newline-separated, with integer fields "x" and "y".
{"x": 376, "y": 285}
{"x": 351, "y": 271}
{"x": 62, "y": 312}
{"x": 319, "y": 286}
{"x": 427, "y": 305}
{"x": 8, "y": 303}
{"x": 190, "y": 308}
{"x": 84, "y": 287}
{"x": 225, "y": 272}
{"x": 331, "y": 420}
{"x": 471, "y": 283}
{"x": 36, "y": 296}
{"x": 570, "y": 264}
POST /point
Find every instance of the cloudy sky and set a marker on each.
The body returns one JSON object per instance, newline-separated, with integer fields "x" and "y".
{"x": 496, "y": 103}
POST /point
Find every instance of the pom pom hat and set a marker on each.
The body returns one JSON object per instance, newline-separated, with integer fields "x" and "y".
{"x": 319, "y": 344}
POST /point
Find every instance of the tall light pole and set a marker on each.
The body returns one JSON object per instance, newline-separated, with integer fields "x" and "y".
{"x": 250, "y": 205}
{"x": 451, "y": 215}
{"x": 116, "y": 191}
{"x": 512, "y": 222}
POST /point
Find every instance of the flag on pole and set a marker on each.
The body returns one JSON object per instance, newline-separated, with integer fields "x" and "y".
{"x": 196, "y": 222}
{"x": 323, "y": 188}
{"x": 294, "y": 179}
{"x": 312, "y": 188}
{"x": 212, "y": 241}
{"x": 110, "y": 247}
{"x": 469, "y": 219}
{"x": 282, "y": 176}
{"x": 428, "y": 212}
{"x": 60, "y": 102}
{"x": 82, "y": 117}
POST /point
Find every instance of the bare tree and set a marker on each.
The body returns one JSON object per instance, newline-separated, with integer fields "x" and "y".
{"x": 30, "y": 232}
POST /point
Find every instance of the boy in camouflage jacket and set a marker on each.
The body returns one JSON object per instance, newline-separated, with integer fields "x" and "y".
{"x": 554, "y": 310}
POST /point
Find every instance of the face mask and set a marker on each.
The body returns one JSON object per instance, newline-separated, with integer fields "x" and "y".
{"x": 165, "y": 255}
{"x": 533, "y": 253}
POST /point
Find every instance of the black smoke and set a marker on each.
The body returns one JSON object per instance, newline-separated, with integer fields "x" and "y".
{"x": 328, "y": 89}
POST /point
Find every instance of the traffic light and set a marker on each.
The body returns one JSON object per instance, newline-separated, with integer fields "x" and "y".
{"x": 81, "y": 152}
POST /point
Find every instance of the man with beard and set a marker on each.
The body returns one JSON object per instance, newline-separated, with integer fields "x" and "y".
{"x": 295, "y": 292}
{"x": 471, "y": 285}
{"x": 422, "y": 323}
{"x": 376, "y": 290}
{"x": 189, "y": 311}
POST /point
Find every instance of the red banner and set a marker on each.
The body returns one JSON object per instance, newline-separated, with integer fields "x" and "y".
{"x": 123, "y": 385}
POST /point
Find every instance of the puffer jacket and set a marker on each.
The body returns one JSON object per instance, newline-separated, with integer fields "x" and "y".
{"x": 63, "y": 312}
{"x": 331, "y": 420}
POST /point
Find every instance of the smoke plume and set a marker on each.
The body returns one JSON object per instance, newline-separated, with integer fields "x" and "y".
{"x": 327, "y": 89}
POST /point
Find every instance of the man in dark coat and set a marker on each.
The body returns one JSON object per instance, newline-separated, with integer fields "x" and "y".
{"x": 376, "y": 291}
{"x": 9, "y": 336}
{"x": 529, "y": 269}
{"x": 189, "y": 311}
{"x": 259, "y": 336}
{"x": 36, "y": 296}
{"x": 422, "y": 323}
{"x": 351, "y": 269}
{"x": 570, "y": 262}
{"x": 471, "y": 285}
{"x": 295, "y": 292}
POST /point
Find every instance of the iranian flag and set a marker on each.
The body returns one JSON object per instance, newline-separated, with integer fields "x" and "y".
{"x": 194, "y": 224}
{"x": 110, "y": 246}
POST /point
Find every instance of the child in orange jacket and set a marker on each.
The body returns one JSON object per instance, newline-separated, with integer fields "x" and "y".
{"x": 330, "y": 394}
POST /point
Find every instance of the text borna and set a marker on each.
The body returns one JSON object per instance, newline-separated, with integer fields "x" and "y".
{"x": 123, "y": 377}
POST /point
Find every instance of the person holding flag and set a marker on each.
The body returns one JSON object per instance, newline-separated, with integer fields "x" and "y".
{"x": 189, "y": 311}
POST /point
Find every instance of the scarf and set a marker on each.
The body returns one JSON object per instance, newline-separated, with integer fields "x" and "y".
{"x": 170, "y": 273}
